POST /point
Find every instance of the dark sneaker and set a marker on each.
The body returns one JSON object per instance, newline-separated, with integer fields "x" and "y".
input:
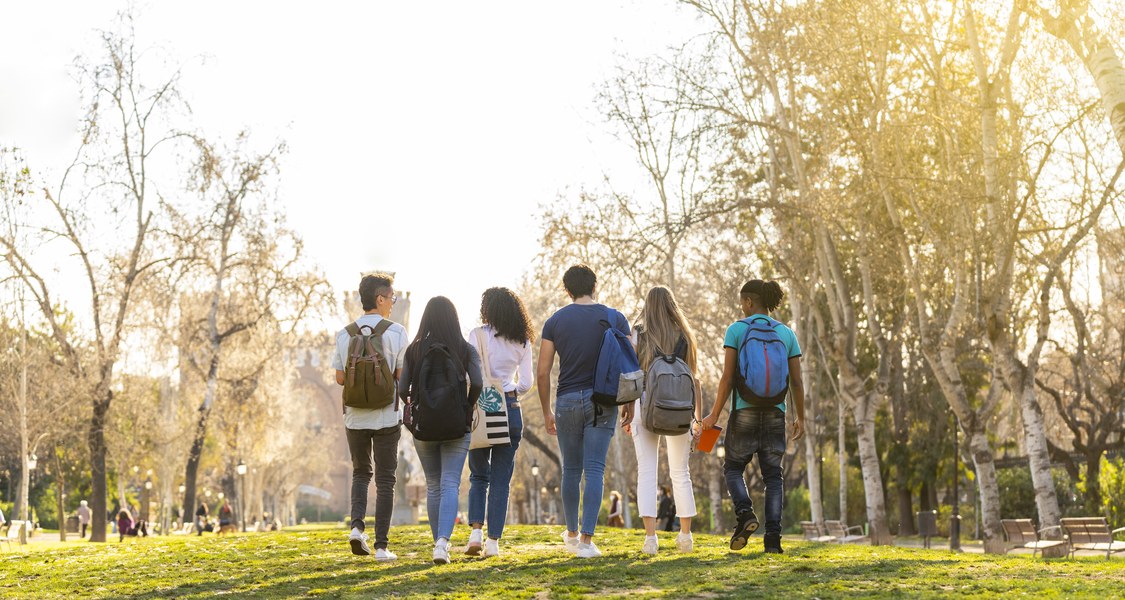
{"x": 747, "y": 525}
{"x": 773, "y": 543}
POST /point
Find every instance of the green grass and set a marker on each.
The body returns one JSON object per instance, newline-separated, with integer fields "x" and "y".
{"x": 315, "y": 561}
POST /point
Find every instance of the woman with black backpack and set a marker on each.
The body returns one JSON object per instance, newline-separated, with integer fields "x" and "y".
{"x": 663, "y": 336}
{"x": 438, "y": 412}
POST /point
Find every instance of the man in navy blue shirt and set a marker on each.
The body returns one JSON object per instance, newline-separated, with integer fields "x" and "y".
{"x": 584, "y": 430}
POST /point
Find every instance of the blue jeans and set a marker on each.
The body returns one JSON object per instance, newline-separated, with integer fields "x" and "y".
{"x": 753, "y": 431}
{"x": 583, "y": 442}
{"x": 490, "y": 476}
{"x": 443, "y": 463}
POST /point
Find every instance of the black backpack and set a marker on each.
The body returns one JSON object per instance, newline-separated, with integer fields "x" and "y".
{"x": 438, "y": 409}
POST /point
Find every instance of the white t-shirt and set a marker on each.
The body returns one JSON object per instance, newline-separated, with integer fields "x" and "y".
{"x": 509, "y": 361}
{"x": 394, "y": 346}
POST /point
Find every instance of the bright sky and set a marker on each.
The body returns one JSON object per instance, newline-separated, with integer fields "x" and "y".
{"x": 423, "y": 136}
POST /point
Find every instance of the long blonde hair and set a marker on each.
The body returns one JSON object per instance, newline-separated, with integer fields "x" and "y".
{"x": 663, "y": 325}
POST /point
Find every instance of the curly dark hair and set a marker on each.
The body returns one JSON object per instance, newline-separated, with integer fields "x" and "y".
{"x": 501, "y": 308}
{"x": 766, "y": 294}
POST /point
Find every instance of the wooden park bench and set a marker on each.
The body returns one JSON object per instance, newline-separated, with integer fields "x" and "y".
{"x": 1093, "y": 534}
{"x": 1021, "y": 533}
{"x": 813, "y": 534}
{"x": 843, "y": 534}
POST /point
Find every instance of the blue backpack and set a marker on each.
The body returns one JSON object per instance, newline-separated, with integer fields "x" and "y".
{"x": 763, "y": 364}
{"x": 618, "y": 378}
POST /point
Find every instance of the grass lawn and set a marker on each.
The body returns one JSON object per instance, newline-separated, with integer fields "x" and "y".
{"x": 315, "y": 561}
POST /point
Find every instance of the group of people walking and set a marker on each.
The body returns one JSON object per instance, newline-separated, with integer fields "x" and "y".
{"x": 460, "y": 399}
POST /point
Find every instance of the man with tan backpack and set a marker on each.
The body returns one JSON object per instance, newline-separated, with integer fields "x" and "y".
{"x": 367, "y": 361}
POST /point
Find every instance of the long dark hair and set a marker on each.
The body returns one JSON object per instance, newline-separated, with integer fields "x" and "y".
{"x": 440, "y": 324}
{"x": 501, "y": 308}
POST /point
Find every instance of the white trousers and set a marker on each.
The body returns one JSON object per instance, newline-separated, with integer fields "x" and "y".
{"x": 647, "y": 445}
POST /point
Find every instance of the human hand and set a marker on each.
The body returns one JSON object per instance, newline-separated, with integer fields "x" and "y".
{"x": 627, "y": 414}
{"x": 709, "y": 420}
{"x": 798, "y": 429}
{"x": 696, "y": 428}
{"x": 549, "y": 422}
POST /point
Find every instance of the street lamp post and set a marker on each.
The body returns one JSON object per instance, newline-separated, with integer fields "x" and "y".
{"x": 241, "y": 470}
{"x": 955, "y": 518}
{"x": 183, "y": 517}
{"x": 535, "y": 475}
{"x": 145, "y": 500}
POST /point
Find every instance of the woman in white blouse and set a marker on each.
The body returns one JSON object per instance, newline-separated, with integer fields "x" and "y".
{"x": 508, "y": 334}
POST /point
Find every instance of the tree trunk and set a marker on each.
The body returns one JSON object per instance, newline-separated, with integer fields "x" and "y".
{"x": 872, "y": 477}
{"x": 623, "y": 479}
{"x": 905, "y": 505}
{"x": 812, "y": 466}
{"x": 195, "y": 455}
{"x": 842, "y": 456}
{"x": 716, "y": 500}
{"x": 60, "y": 483}
{"x": 1098, "y": 55}
{"x": 989, "y": 490}
{"x": 96, "y": 438}
{"x": 1035, "y": 436}
{"x": 1093, "y": 485}
{"x": 22, "y": 509}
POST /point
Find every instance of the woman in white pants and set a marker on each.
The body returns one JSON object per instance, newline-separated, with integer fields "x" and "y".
{"x": 662, "y": 329}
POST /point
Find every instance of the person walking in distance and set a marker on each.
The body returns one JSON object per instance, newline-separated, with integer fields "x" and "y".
{"x": 439, "y": 410}
{"x": 83, "y": 518}
{"x": 507, "y": 334}
{"x": 664, "y": 339}
{"x": 761, "y": 364}
{"x": 367, "y": 363}
{"x": 584, "y": 429}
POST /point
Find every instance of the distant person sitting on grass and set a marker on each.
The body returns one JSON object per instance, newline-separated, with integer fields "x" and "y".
{"x": 226, "y": 518}
{"x": 127, "y": 526}
{"x": 615, "y": 519}
{"x": 201, "y": 523}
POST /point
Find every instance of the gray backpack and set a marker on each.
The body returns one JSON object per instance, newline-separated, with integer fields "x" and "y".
{"x": 669, "y": 402}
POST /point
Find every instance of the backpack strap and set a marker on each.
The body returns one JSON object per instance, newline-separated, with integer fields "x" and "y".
{"x": 681, "y": 348}
{"x": 380, "y": 328}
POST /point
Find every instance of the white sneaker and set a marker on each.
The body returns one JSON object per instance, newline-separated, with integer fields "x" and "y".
{"x": 684, "y": 542}
{"x": 650, "y": 545}
{"x": 491, "y": 547}
{"x": 570, "y": 543}
{"x": 441, "y": 552}
{"x": 358, "y": 540}
{"x": 473, "y": 548}
{"x": 384, "y": 555}
{"x": 588, "y": 550}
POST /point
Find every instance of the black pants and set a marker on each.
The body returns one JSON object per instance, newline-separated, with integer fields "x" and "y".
{"x": 83, "y": 535}
{"x": 374, "y": 452}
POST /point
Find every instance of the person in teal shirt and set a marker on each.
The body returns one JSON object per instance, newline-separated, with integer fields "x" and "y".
{"x": 757, "y": 430}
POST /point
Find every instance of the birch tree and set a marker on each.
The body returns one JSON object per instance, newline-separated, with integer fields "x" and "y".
{"x": 248, "y": 263}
